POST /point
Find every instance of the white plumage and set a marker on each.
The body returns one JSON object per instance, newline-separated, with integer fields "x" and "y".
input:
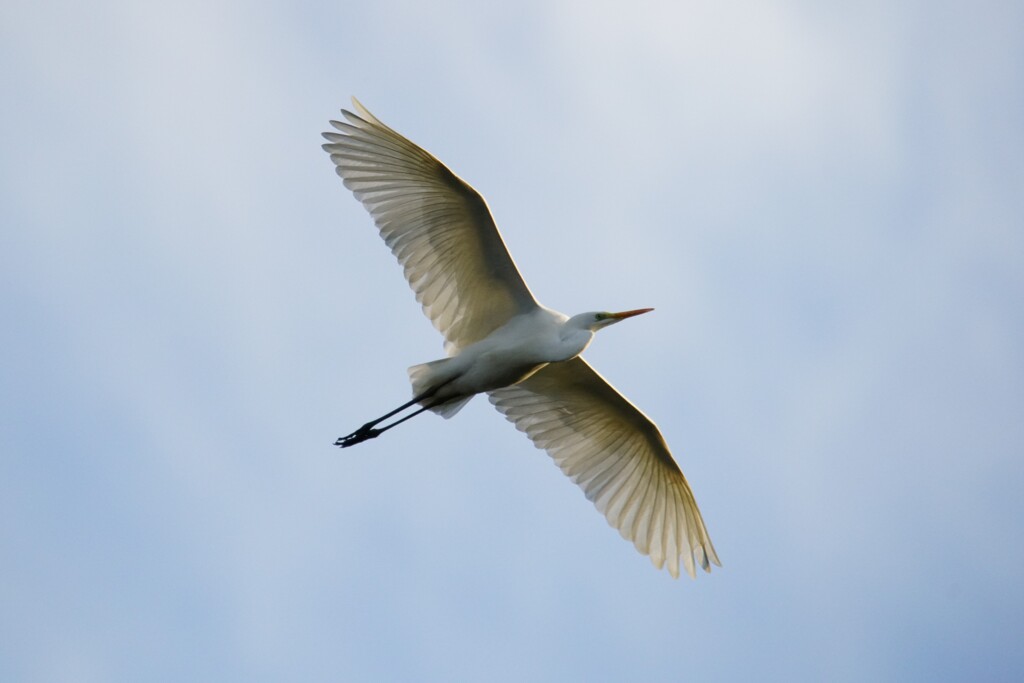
{"x": 501, "y": 341}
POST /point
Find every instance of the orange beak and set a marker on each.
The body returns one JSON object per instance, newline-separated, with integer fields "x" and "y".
{"x": 629, "y": 314}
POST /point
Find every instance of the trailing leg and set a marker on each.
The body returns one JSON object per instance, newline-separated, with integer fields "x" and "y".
{"x": 368, "y": 430}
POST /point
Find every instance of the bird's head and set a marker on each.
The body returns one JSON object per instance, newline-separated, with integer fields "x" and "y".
{"x": 596, "y": 320}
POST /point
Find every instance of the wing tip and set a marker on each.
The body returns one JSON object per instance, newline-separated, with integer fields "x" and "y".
{"x": 363, "y": 113}
{"x": 690, "y": 562}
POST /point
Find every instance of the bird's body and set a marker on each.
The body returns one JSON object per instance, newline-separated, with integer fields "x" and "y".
{"x": 507, "y": 356}
{"x": 510, "y": 354}
{"x": 502, "y": 342}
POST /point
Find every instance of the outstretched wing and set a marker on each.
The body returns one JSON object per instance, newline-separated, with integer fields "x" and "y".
{"x": 617, "y": 456}
{"x": 438, "y": 227}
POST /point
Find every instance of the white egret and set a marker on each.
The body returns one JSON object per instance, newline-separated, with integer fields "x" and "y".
{"x": 501, "y": 341}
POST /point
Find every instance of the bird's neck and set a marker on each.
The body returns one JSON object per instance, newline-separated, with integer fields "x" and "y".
{"x": 575, "y": 337}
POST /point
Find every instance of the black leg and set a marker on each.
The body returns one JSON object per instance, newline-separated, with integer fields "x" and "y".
{"x": 369, "y": 430}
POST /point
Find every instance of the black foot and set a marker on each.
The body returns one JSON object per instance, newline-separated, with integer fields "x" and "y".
{"x": 360, "y": 435}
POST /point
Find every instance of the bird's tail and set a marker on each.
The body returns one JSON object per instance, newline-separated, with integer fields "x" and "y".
{"x": 427, "y": 378}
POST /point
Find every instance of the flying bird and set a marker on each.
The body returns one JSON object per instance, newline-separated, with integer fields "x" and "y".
{"x": 500, "y": 341}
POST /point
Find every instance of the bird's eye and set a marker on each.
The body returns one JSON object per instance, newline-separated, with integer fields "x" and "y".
{"x": 600, "y": 316}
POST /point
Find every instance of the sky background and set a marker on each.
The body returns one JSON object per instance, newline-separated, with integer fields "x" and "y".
{"x": 823, "y": 201}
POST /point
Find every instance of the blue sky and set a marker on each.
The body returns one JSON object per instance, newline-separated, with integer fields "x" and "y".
{"x": 823, "y": 203}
